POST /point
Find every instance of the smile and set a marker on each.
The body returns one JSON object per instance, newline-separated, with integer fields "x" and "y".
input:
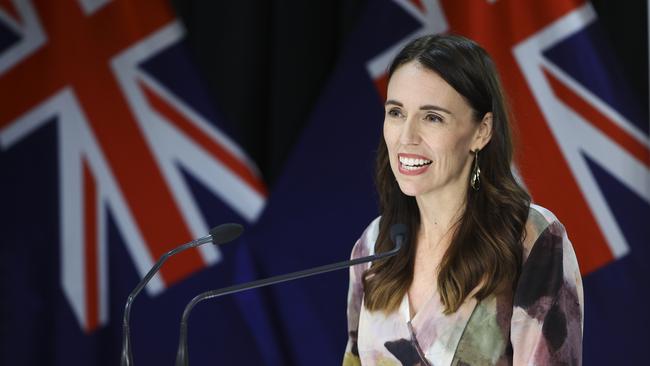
{"x": 413, "y": 164}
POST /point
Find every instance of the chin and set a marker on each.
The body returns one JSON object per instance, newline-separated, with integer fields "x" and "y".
{"x": 409, "y": 190}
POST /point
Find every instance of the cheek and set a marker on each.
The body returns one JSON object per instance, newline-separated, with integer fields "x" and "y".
{"x": 389, "y": 134}
{"x": 390, "y": 140}
{"x": 451, "y": 164}
{"x": 451, "y": 155}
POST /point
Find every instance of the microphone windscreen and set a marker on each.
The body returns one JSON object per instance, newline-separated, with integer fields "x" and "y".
{"x": 398, "y": 230}
{"x": 224, "y": 233}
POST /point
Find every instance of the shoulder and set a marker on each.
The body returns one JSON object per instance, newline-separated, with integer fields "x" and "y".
{"x": 540, "y": 224}
{"x": 549, "y": 260}
{"x": 366, "y": 244}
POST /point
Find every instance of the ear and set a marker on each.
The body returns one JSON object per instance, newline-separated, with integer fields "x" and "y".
{"x": 483, "y": 132}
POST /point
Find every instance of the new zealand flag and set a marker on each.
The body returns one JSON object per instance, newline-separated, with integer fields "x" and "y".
{"x": 110, "y": 157}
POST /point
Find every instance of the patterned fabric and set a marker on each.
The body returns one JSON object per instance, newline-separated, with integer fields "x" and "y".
{"x": 539, "y": 324}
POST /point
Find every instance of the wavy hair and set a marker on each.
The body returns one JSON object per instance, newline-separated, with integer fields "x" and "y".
{"x": 486, "y": 244}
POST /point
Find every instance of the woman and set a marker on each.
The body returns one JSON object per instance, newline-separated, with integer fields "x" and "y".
{"x": 486, "y": 278}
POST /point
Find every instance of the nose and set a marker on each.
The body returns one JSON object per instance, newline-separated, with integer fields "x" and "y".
{"x": 410, "y": 134}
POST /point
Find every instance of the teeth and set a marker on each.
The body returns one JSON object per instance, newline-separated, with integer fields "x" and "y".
{"x": 414, "y": 163}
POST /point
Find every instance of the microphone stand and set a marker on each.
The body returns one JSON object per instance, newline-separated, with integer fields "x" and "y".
{"x": 398, "y": 233}
{"x": 219, "y": 235}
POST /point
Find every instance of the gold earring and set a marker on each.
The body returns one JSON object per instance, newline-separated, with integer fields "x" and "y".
{"x": 475, "y": 181}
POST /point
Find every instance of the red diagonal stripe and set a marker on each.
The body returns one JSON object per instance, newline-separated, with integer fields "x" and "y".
{"x": 232, "y": 162}
{"x": 419, "y": 5}
{"x": 26, "y": 85}
{"x": 8, "y": 7}
{"x": 598, "y": 120}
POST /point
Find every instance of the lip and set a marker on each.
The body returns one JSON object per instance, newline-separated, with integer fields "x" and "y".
{"x": 419, "y": 171}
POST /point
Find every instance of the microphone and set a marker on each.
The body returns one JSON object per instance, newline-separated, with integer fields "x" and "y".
{"x": 398, "y": 234}
{"x": 218, "y": 235}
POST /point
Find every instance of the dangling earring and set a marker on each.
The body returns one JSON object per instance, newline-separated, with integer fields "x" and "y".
{"x": 475, "y": 181}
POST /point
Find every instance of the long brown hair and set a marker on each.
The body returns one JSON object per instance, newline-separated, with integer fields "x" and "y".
{"x": 485, "y": 247}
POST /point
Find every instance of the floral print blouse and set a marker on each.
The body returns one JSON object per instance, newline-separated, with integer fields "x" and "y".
{"x": 539, "y": 324}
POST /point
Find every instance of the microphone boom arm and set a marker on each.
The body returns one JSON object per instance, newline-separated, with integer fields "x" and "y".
{"x": 127, "y": 358}
{"x": 218, "y": 235}
{"x": 182, "y": 355}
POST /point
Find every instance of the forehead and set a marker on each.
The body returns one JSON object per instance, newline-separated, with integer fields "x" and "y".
{"x": 414, "y": 85}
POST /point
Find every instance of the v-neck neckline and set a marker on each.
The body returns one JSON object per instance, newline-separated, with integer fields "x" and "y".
{"x": 448, "y": 328}
{"x": 406, "y": 307}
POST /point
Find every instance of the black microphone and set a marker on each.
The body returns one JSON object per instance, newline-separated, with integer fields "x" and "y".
{"x": 398, "y": 234}
{"x": 218, "y": 235}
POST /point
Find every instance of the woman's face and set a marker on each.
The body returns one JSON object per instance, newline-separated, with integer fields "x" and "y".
{"x": 430, "y": 132}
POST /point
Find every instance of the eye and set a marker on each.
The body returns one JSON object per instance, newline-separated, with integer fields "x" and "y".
{"x": 395, "y": 113}
{"x": 432, "y": 117}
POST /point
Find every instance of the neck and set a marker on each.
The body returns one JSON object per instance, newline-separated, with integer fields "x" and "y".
{"x": 439, "y": 212}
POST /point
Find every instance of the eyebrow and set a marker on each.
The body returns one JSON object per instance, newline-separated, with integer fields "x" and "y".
{"x": 426, "y": 107}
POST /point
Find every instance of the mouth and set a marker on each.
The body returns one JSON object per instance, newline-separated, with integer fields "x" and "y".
{"x": 411, "y": 164}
